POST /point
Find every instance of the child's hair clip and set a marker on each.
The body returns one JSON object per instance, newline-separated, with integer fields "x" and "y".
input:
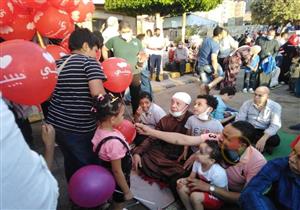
{"x": 113, "y": 98}
{"x": 100, "y": 97}
{"x": 93, "y": 109}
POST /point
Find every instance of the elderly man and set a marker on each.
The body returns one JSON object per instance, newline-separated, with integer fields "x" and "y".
{"x": 283, "y": 176}
{"x": 158, "y": 159}
{"x": 244, "y": 160}
{"x": 265, "y": 115}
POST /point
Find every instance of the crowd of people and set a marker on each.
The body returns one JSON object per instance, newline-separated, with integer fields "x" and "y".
{"x": 206, "y": 152}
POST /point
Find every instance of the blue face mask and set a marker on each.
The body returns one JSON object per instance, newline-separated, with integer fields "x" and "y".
{"x": 231, "y": 157}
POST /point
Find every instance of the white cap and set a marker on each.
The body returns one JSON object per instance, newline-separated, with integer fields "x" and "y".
{"x": 112, "y": 21}
{"x": 183, "y": 96}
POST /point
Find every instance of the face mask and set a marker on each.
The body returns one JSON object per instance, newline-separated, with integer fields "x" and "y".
{"x": 180, "y": 46}
{"x": 204, "y": 115}
{"x": 127, "y": 36}
{"x": 178, "y": 114}
{"x": 269, "y": 37}
{"x": 231, "y": 157}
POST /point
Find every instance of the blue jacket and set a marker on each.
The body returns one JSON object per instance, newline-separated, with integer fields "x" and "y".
{"x": 288, "y": 191}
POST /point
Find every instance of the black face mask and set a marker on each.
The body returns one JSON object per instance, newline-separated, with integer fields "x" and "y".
{"x": 230, "y": 157}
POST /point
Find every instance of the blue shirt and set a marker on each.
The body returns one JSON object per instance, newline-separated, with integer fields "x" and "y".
{"x": 277, "y": 172}
{"x": 218, "y": 113}
{"x": 254, "y": 62}
{"x": 209, "y": 46}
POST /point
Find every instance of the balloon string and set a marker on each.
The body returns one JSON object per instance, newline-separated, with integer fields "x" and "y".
{"x": 40, "y": 40}
{"x": 41, "y": 114}
{"x": 126, "y": 109}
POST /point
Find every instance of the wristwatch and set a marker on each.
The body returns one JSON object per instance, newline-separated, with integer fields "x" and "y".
{"x": 212, "y": 188}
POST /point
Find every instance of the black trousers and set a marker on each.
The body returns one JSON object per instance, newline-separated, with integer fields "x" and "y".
{"x": 273, "y": 141}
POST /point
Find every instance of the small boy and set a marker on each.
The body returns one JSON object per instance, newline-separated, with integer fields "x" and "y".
{"x": 206, "y": 167}
{"x": 294, "y": 72}
{"x": 250, "y": 78}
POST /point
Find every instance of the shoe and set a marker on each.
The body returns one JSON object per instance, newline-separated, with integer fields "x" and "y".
{"x": 251, "y": 90}
{"x": 157, "y": 79}
{"x": 295, "y": 127}
{"x": 245, "y": 90}
{"x": 282, "y": 83}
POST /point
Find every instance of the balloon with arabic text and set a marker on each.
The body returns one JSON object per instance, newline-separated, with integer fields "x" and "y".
{"x": 56, "y": 51}
{"x": 83, "y": 12}
{"x": 57, "y": 27}
{"x": 32, "y": 4}
{"x": 6, "y": 12}
{"x": 23, "y": 27}
{"x": 26, "y": 78}
{"x": 67, "y": 5}
{"x": 118, "y": 73}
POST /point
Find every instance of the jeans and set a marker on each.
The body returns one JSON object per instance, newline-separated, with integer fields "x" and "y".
{"x": 250, "y": 80}
{"x": 180, "y": 66}
{"x": 155, "y": 62}
{"x": 206, "y": 73}
{"x": 77, "y": 150}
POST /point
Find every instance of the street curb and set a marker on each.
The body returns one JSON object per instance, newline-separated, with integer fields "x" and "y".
{"x": 170, "y": 83}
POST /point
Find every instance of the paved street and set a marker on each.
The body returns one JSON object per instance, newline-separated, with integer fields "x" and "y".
{"x": 163, "y": 92}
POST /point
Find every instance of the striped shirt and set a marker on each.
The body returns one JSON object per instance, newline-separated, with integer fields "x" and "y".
{"x": 71, "y": 103}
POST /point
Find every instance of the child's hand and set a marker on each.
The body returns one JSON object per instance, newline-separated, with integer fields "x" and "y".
{"x": 128, "y": 196}
{"x": 48, "y": 135}
{"x": 181, "y": 182}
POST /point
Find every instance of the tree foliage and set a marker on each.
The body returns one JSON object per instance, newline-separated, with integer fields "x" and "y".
{"x": 164, "y": 7}
{"x": 275, "y": 12}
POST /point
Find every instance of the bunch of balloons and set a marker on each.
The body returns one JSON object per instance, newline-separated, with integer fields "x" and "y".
{"x": 20, "y": 19}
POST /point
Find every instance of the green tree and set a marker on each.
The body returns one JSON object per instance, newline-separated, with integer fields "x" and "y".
{"x": 164, "y": 7}
{"x": 275, "y": 12}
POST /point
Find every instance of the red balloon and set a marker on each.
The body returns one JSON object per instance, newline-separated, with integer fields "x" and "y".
{"x": 23, "y": 27}
{"x": 118, "y": 73}
{"x": 65, "y": 42}
{"x": 34, "y": 4}
{"x": 128, "y": 130}
{"x": 58, "y": 26}
{"x": 6, "y": 12}
{"x": 56, "y": 51}
{"x": 83, "y": 12}
{"x": 27, "y": 72}
{"x": 67, "y": 5}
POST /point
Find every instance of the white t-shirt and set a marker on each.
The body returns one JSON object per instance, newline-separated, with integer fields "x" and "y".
{"x": 199, "y": 127}
{"x": 216, "y": 175}
{"x": 156, "y": 42}
{"x": 153, "y": 116}
{"x": 26, "y": 182}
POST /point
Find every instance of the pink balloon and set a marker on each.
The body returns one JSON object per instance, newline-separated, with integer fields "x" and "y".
{"x": 27, "y": 72}
{"x": 128, "y": 130}
{"x": 118, "y": 73}
{"x": 91, "y": 186}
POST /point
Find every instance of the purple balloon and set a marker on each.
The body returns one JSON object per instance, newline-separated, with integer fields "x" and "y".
{"x": 91, "y": 186}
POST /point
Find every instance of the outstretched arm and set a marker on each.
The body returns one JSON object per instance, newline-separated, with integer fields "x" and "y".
{"x": 170, "y": 137}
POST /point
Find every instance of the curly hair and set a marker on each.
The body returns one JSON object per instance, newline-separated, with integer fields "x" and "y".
{"x": 105, "y": 106}
{"x": 210, "y": 100}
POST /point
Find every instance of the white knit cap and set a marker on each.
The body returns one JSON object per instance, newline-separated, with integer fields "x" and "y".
{"x": 183, "y": 96}
{"x": 112, "y": 21}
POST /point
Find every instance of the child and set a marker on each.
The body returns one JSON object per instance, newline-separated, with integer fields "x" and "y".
{"x": 148, "y": 113}
{"x": 201, "y": 122}
{"x": 207, "y": 169}
{"x": 111, "y": 147}
{"x": 251, "y": 70}
{"x": 294, "y": 72}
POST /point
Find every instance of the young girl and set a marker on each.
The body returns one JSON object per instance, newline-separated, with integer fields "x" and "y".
{"x": 148, "y": 113}
{"x": 207, "y": 169}
{"x": 111, "y": 147}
